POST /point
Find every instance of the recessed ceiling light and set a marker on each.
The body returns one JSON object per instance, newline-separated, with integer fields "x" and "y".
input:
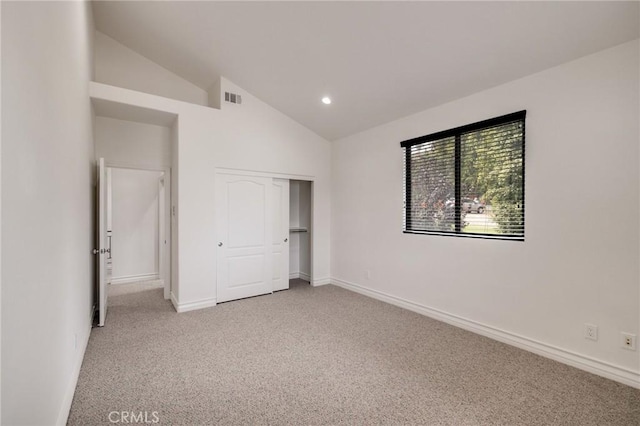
{"x": 326, "y": 100}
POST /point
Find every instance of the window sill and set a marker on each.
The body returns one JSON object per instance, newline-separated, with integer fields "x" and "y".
{"x": 468, "y": 235}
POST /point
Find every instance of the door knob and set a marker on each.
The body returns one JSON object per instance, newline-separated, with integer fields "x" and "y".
{"x": 96, "y": 251}
{"x": 286, "y": 239}
{"x": 219, "y": 244}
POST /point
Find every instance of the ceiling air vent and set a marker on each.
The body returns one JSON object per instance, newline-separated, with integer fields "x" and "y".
{"x": 233, "y": 98}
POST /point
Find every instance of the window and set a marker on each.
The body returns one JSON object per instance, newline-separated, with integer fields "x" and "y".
{"x": 467, "y": 181}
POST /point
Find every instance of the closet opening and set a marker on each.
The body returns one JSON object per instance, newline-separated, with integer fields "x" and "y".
{"x": 300, "y": 232}
{"x": 253, "y": 259}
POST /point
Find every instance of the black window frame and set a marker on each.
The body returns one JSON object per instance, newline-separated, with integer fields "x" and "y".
{"x": 457, "y": 133}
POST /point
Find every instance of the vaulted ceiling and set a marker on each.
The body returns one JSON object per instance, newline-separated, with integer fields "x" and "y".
{"x": 378, "y": 61}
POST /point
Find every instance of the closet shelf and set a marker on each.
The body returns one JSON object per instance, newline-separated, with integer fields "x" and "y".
{"x": 297, "y": 229}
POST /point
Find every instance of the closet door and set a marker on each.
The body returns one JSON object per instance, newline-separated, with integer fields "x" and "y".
{"x": 245, "y": 243}
{"x": 280, "y": 234}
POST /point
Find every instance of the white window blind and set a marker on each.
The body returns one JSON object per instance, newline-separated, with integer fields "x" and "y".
{"x": 467, "y": 181}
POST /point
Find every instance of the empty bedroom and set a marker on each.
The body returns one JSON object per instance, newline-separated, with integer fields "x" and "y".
{"x": 320, "y": 213}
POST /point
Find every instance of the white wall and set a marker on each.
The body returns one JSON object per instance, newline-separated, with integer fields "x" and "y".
{"x": 579, "y": 262}
{"x": 47, "y": 206}
{"x": 133, "y": 144}
{"x": 135, "y": 223}
{"x": 117, "y": 65}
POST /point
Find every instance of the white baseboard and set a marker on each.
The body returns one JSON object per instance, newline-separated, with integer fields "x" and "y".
{"x": 321, "y": 281}
{"x": 591, "y": 365}
{"x": 134, "y": 278}
{"x": 192, "y": 306}
{"x": 174, "y": 302}
{"x": 300, "y": 275}
{"x": 67, "y": 400}
{"x": 305, "y": 276}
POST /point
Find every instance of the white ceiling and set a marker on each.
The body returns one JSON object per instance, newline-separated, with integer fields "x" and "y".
{"x": 378, "y": 61}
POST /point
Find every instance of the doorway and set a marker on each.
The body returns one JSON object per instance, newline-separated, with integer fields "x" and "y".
{"x": 137, "y": 227}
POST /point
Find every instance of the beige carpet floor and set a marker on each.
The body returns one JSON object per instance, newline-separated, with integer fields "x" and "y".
{"x": 323, "y": 356}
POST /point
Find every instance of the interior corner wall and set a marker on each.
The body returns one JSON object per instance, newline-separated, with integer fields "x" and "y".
{"x": 215, "y": 95}
{"x": 48, "y": 182}
{"x": 117, "y": 65}
{"x": 579, "y": 262}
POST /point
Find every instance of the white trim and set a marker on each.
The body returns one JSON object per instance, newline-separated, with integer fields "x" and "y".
{"x": 174, "y": 301}
{"x": 65, "y": 409}
{"x": 92, "y": 315}
{"x": 136, "y": 166}
{"x": 304, "y": 276}
{"x": 135, "y": 278}
{"x": 321, "y": 281}
{"x": 261, "y": 173}
{"x": 164, "y": 225}
{"x": 192, "y": 306}
{"x": 301, "y": 275}
{"x": 601, "y": 368}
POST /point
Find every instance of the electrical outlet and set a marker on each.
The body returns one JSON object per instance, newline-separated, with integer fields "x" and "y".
{"x": 591, "y": 331}
{"x": 367, "y": 274}
{"x": 628, "y": 341}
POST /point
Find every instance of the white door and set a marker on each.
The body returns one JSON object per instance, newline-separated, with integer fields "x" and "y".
{"x": 280, "y": 235}
{"x": 109, "y": 207}
{"x": 162, "y": 237}
{"x": 244, "y": 252}
{"x": 101, "y": 238}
